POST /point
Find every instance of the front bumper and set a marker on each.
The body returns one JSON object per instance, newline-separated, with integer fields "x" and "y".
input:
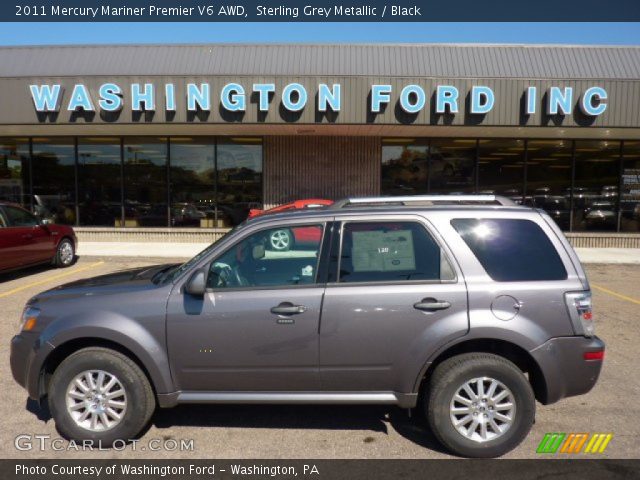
{"x": 20, "y": 349}
{"x": 566, "y": 373}
{"x": 26, "y": 362}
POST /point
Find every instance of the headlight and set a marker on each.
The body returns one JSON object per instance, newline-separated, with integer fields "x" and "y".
{"x": 29, "y": 318}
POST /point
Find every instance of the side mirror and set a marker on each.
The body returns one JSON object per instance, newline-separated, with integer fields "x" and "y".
{"x": 45, "y": 221}
{"x": 197, "y": 284}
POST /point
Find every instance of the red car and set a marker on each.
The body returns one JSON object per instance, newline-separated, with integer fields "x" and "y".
{"x": 285, "y": 239}
{"x": 26, "y": 241}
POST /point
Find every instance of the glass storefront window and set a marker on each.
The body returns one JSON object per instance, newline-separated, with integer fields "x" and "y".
{"x": 549, "y": 178}
{"x": 405, "y": 166}
{"x": 452, "y": 166}
{"x": 14, "y": 170}
{"x": 630, "y": 198}
{"x": 54, "y": 179}
{"x": 145, "y": 182}
{"x": 595, "y": 192}
{"x": 193, "y": 202}
{"x": 501, "y": 168}
{"x": 239, "y": 166}
{"x": 99, "y": 181}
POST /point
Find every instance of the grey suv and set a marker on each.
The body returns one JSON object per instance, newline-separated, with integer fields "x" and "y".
{"x": 469, "y": 308}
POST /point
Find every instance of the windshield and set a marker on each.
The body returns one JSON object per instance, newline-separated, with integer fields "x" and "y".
{"x": 169, "y": 275}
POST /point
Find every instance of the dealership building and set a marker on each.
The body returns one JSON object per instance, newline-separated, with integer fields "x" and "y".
{"x": 184, "y": 139}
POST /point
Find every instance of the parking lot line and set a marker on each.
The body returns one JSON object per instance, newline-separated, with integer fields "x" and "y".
{"x": 50, "y": 279}
{"x": 616, "y": 294}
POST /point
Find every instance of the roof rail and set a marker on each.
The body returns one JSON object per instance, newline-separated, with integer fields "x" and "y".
{"x": 432, "y": 199}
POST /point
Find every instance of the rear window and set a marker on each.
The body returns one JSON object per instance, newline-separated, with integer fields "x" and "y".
{"x": 511, "y": 250}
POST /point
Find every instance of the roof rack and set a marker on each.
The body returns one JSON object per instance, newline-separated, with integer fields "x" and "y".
{"x": 428, "y": 199}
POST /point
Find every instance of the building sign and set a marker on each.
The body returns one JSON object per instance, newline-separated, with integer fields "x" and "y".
{"x": 235, "y": 97}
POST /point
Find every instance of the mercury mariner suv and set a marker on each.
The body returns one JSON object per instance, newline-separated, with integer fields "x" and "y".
{"x": 469, "y": 308}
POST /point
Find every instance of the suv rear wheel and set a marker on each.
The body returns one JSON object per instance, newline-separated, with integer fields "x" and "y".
{"x": 100, "y": 395}
{"x": 479, "y": 405}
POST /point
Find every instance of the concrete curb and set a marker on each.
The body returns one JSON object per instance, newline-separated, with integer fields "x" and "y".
{"x": 137, "y": 249}
{"x": 188, "y": 250}
{"x": 609, "y": 255}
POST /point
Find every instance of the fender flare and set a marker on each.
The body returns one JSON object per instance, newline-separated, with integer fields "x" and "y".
{"x": 484, "y": 333}
{"x": 112, "y": 327}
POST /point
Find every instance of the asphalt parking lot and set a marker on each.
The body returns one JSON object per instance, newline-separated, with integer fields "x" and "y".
{"x": 331, "y": 431}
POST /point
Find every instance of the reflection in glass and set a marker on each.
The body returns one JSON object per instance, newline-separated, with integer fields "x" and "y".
{"x": 404, "y": 166}
{"x": 14, "y": 170}
{"x": 54, "y": 179}
{"x": 99, "y": 181}
{"x": 145, "y": 182}
{"x": 453, "y": 166}
{"x": 239, "y": 163}
{"x": 595, "y": 193}
{"x": 630, "y": 199}
{"x": 549, "y": 178}
{"x": 501, "y": 168}
{"x": 193, "y": 182}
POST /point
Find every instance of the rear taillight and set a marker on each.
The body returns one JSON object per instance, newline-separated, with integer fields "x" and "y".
{"x": 580, "y": 311}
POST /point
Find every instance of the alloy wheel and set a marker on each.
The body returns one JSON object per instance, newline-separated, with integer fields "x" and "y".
{"x": 280, "y": 240}
{"x": 482, "y": 409}
{"x": 96, "y": 400}
{"x": 66, "y": 253}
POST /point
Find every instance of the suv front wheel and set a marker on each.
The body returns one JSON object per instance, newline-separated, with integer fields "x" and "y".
{"x": 100, "y": 395}
{"x": 479, "y": 405}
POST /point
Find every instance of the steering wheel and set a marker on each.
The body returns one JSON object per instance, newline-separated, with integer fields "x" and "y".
{"x": 228, "y": 276}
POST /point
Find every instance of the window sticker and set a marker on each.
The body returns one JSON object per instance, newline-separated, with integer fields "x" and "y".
{"x": 383, "y": 251}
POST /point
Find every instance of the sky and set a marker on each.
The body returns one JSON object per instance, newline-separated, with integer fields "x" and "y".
{"x": 550, "y": 33}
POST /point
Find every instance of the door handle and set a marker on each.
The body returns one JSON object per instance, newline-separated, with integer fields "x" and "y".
{"x": 431, "y": 304}
{"x": 288, "y": 308}
{"x": 27, "y": 236}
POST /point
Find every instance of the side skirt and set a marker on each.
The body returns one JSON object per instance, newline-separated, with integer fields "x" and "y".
{"x": 404, "y": 400}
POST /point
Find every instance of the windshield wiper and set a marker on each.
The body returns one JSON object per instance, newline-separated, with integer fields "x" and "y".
{"x": 161, "y": 275}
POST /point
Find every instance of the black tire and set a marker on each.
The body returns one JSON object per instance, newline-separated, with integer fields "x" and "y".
{"x": 62, "y": 258}
{"x": 140, "y": 398}
{"x": 450, "y": 375}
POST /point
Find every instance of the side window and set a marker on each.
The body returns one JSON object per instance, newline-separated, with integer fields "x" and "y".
{"x": 270, "y": 258}
{"x": 390, "y": 251}
{"x": 17, "y": 217}
{"x": 3, "y": 222}
{"x": 511, "y": 250}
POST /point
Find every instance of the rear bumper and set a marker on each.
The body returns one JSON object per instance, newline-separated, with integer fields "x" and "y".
{"x": 566, "y": 373}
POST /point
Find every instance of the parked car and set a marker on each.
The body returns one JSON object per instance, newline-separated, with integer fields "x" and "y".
{"x": 283, "y": 240}
{"x": 55, "y": 208}
{"x": 514, "y": 194}
{"x": 556, "y": 206}
{"x": 601, "y": 215}
{"x": 468, "y": 311}
{"x": 185, "y": 215}
{"x": 26, "y": 240}
{"x": 582, "y": 196}
{"x": 609, "y": 191}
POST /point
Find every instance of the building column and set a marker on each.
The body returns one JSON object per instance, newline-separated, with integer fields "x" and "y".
{"x": 298, "y": 167}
